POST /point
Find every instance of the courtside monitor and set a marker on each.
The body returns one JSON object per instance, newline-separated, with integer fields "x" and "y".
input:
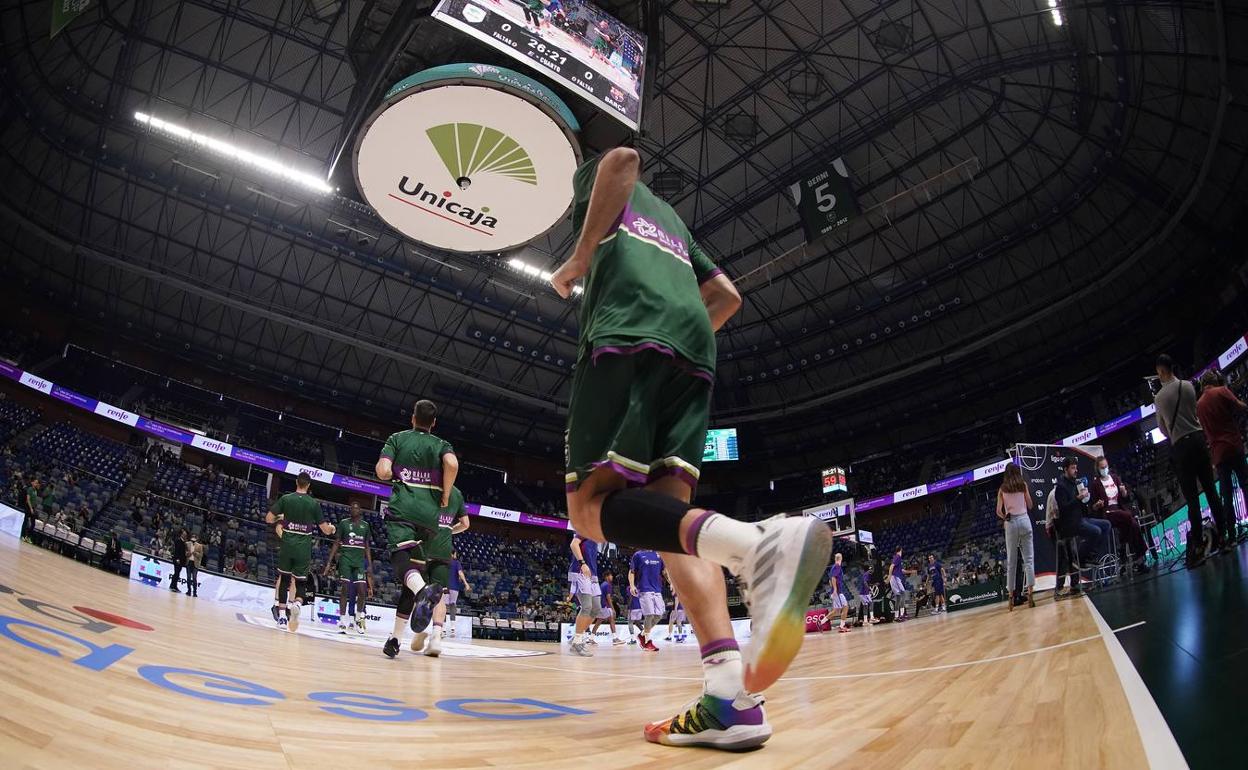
{"x": 575, "y": 43}
{"x": 721, "y": 444}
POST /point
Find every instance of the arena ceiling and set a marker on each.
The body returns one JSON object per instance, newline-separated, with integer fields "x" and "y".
{"x": 1031, "y": 195}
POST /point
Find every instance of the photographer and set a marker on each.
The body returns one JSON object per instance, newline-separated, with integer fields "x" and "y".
{"x": 1176, "y": 416}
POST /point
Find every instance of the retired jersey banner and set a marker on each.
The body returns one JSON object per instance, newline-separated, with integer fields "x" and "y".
{"x": 824, "y": 201}
{"x": 65, "y": 11}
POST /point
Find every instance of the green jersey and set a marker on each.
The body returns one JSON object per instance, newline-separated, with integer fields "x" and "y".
{"x": 642, "y": 291}
{"x": 416, "y": 489}
{"x": 353, "y": 538}
{"x": 300, "y": 515}
{"x": 33, "y": 500}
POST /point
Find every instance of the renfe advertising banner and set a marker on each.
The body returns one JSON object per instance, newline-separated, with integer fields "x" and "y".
{"x": 1042, "y": 467}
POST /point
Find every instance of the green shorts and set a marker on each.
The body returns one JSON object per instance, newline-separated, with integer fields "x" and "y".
{"x": 412, "y": 516}
{"x": 351, "y": 567}
{"x": 641, "y": 414}
{"x": 294, "y": 558}
{"x": 432, "y": 557}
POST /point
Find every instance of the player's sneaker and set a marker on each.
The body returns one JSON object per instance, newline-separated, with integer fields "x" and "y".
{"x": 777, "y": 577}
{"x": 580, "y": 648}
{"x": 277, "y": 617}
{"x": 342, "y": 628}
{"x": 590, "y": 640}
{"x": 434, "y": 648}
{"x": 422, "y": 612}
{"x": 359, "y": 626}
{"x": 418, "y": 641}
{"x": 391, "y": 648}
{"x": 632, "y": 641}
{"x": 295, "y": 612}
{"x": 843, "y": 630}
{"x": 615, "y": 642}
{"x": 281, "y": 623}
{"x": 718, "y": 723}
{"x": 649, "y": 646}
{"x": 667, "y": 638}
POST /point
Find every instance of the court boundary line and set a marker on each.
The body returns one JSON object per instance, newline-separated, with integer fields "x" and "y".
{"x": 1161, "y": 748}
{"x": 863, "y": 675}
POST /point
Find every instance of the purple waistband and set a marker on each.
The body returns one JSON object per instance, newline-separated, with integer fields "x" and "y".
{"x": 676, "y": 360}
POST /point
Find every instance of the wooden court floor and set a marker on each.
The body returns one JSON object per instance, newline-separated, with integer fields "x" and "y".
{"x": 86, "y": 688}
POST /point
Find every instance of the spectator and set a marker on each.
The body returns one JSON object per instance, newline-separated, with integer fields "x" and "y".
{"x": 1013, "y": 509}
{"x": 1071, "y": 498}
{"x": 1217, "y": 410}
{"x": 1176, "y": 416}
{"x": 240, "y": 565}
{"x": 1110, "y": 499}
{"x": 179, "y": 560}
{"x": 112, "y": 553}
{"x": 194, "y": 554}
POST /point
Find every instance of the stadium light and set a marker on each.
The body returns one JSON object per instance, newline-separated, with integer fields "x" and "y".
{"x": 1055, "y": 13}
{"x": 238, "y": 154}
{"x": 520, "y": 266}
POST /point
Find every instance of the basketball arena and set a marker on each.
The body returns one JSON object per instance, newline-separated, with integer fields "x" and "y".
{"x": 622, "y": 383}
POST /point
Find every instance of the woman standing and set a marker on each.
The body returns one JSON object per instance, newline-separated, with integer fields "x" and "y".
{"x": 1013, "y": 505}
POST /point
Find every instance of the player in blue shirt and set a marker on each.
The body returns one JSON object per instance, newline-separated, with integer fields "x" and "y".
{"x": 936, "y": 572}
{"x": 607, "y": 613}
{"x": 459, "y": 582}
{"x": 645, "y": 581}
{"x": 836, "y": 591}
{"x": 585, "y": 586}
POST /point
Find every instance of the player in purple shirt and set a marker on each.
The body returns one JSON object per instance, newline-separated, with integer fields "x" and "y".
{"x": 897, "y": 582}
{"x": 459, "y": 582}
{"x": 634, "y": 617}
{"x": 645, "y": 581}
{"x": 936, "y": 572}
{"x": 836, "y": 592}
{"x": 676, "y": 622}
{"x": 607, "y": 613}
{"x": 588, "y": 592}
{"x": 866, "y": 605}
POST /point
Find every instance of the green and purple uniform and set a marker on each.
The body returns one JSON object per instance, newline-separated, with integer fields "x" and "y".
{"x": 300, "y": 515}
{"x": 414, "y": 517}
{"x": 641, "y": 394}
{"x": 352, "y": 547}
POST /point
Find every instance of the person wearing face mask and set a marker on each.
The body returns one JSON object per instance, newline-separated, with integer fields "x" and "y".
{"x": 1110, "y": 498}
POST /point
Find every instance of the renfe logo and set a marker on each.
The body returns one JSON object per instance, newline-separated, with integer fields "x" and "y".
{"x": 913, "y": 492}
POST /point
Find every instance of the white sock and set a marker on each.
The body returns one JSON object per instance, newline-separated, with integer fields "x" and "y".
{"x": 725, "y": 541}
{"x": 399, "y": 625}
{"x": 414, "y": 581}
{"x": 723, "y": 674}
{"x": 579, "y": 638}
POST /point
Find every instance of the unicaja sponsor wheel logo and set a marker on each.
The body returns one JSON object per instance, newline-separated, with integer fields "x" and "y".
{"x": 469, "y": 158}
{"x": 468, "y": 149}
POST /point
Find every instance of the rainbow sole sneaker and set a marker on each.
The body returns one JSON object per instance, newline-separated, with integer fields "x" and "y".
{"x": 716, "y": 723}
{"x": 777, "y": 578}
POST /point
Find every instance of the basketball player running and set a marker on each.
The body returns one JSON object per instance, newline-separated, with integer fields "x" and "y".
{"x": 298, "y": 516}
{"x": 836, "y": 589}
{"x": 422, "y": 469}
{"x": 433, "y": 553}
{"x": 459, "y": 582}
{"x": 587, "y": 590}
{"x": 355, "y": 567}
{"x": 645, "y": 583}
{"x": 936, "y": 571}
{"x": 638, "y": 415}
{"x": 608, "y": 608}
{"x": 897, "y": 582}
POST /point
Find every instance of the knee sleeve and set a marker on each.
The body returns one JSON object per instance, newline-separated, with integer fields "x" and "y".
{"x": 407, "y": 601}
{"x": 301, "y": 584}
{"x": 643, "y": 519}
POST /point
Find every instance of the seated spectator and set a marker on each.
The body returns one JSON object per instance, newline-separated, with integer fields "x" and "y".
{"x": 1071, "y": 498}
{"x": 1110, "y": 501}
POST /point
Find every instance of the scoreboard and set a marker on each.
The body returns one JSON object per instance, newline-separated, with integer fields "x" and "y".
{"x": 835, "y": 480}
{"x": 721, "y": 445}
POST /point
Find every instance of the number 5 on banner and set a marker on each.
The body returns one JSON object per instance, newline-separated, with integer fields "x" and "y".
{"x": 825, "y": 200}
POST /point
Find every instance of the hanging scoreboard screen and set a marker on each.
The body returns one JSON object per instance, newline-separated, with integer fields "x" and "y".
{"x": 573, "y": 42}
{"x": 721, "y": 444}
{"x": 835, "y": 480}
{"x": 824, "y": 201}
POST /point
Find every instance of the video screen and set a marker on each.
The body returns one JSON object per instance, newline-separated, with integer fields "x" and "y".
{"x": 721, "y": 445}
{"x": 574, "y": 42}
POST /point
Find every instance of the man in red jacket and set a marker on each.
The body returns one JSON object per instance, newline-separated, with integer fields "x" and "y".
{"x": 1217, "y": 410}
{"x": 1110, "y": 502}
